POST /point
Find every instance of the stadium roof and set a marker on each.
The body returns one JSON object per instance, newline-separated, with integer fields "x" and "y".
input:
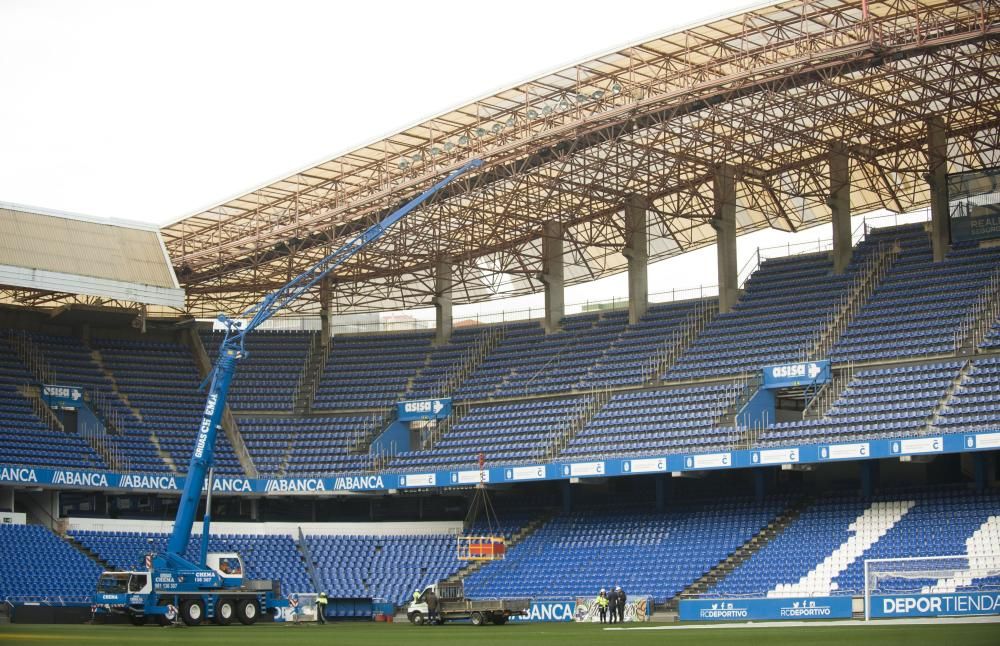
{"x": 49, "y": 258}
{"x": 769, "y": 90}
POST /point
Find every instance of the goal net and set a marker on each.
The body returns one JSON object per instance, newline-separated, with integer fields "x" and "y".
{"x": 922, "y": 575}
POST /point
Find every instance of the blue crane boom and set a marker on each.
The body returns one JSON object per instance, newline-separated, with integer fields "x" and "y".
{"x": 232, "y": 350}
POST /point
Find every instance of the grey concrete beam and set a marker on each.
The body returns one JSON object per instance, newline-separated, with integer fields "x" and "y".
{"x": 724, "y": 223}
{"x": 839, "y": 202}
{"x": 637, "y": 253}
{"x": 552, "y": 276}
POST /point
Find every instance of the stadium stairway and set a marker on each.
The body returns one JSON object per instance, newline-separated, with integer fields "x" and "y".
{"x": 711, "y": 578}
{"x": 86, "y": 551}
{"x": 305, "y": 390}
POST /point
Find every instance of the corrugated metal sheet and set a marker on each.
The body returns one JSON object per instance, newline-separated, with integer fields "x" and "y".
{"x": 83, "y": 248}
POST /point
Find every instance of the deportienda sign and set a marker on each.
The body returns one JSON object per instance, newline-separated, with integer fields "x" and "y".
{"x": 935, "y": 605}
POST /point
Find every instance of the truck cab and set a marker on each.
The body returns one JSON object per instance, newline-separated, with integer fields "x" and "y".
{"x": 452, "y": 605}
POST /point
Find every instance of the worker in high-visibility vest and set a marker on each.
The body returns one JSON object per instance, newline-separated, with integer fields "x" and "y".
{"x": 321, "y": 602}
{"x": 416, "y": 596}
{"x": 602, "y": 605}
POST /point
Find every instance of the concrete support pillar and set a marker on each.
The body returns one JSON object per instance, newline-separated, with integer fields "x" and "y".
{"x": 567, "y": 496}
{"x": 980, "y": 463}
{"x": 662, "y": 491}
{"x": 839, "y": 202}
{"x": 869, "y": 477}
{"x": 552, "y": 274}
{"x": 760, "y": 478}
{"x": 637, "y": 252}
{"x": 442, "y": 301}
{"x": 325, "y": 313}
{"x": 937, "y": 178}
{"x": 724, "y": 223}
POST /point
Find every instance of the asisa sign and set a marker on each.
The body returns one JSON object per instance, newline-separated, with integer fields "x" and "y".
{"x": 797, "y": 374}
{"x": 423, "y": 409}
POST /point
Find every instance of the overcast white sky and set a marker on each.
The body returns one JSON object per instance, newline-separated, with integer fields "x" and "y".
{"x": 153, "y": 110}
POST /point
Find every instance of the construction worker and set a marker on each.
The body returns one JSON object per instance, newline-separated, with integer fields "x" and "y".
{"x": 613, "y": 605}
{"x": 432, "y": 607}
{"x": 416, "y": 596}
{"x": 602, "y": 605}
{"x": 321, "y": 602}
{"x": 621, "y": 597}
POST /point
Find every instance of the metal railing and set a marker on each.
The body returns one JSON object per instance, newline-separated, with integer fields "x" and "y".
{"x": 471, "y": 359}
{"x": 981, "y": 317}
{"x": 680, "y": 339}
{"x": 865, "y": 281}
{"x": 31, "y": 357}
{"x": 824, "y": 398}
{"x": 308, "y": 370}
{"x": 595, "y": 401}
{"x": 116, "y": 457}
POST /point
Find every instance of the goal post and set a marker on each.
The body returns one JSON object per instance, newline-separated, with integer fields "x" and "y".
{"x": 928, "y": 584}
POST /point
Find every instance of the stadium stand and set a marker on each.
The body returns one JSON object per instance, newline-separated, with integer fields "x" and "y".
{"x": 24, "y": 438}
{"x": 975, "y": 403}
{"x": 161, "y": 383}
{"x": 264, "y": 557}
{"x": 310, "y": 446}
{"x": 822, "y": 552}
{"x": 657, "y": 421}
{"x": 382, "y": 567}
{"x": 31, "y": 556}
{"x": 506, "y": 433}
{"x": 785, "y": 304}
{"x": 73, "y": 363}
{"x": 268, "y": 376}
{"x": 593, "y": 350}
{"x": 449, "y": 362}
{"x": 919, "y": 304}
{"x": 877, "y": 403}
{"x": 658, "y": 554}
{"x": 992, "y": 340}
{"x": 371, "y": 370}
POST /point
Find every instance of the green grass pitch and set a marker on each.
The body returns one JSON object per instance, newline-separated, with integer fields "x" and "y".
{"x": 367, "y": 634}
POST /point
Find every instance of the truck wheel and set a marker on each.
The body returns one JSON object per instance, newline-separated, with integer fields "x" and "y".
{"x": 168, "y": 617}
{"x": 192, "y": 612}
{"x": 499, "y": 619}
{"x": 416, "y": 618}
{"x": 247, "y": 612}
{"x": 225, "y": 610}
{"x": 478, "y": 619}
{"x": 136, "y": 619}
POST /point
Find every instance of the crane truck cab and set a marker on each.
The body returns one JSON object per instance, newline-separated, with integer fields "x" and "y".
{"x": 219, "y": 593}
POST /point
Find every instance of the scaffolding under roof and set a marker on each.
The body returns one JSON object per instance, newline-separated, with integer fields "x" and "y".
{"x": 768, "y": 90}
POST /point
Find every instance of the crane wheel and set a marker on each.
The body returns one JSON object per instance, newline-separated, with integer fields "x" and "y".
{"x": 247, "y": 612}
{"x": 192, "y": 612}
{"x": 225, "y": 610}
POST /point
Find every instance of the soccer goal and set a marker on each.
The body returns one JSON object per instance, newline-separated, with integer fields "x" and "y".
{"x": 931, "y": 585}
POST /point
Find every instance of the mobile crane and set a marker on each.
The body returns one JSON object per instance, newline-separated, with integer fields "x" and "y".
{"x": 213, "y": 587}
